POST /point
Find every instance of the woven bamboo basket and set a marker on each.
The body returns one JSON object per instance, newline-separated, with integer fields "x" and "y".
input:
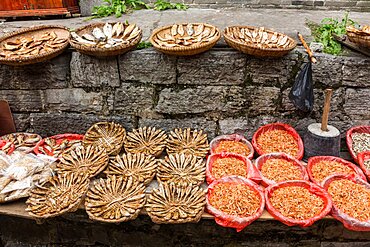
{"x": 103, "y": 52}
{"x": 254, "y": 50}
{"x": 36, "y": 32}
{"x": 361, "y": 40}
{"x": 186, "y": 50}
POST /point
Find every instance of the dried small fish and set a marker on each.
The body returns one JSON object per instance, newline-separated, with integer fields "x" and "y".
{"x": 174, "y": 30}
{"x": 171, "y": 204}
{"x": 20, "y": 142}
{"x": 190, "y": 29}
{"x": 181, "y": 169}
{"x": 88, "y": 37}
{"x": 115, "y": 199}
{"x": 98, "y": 34}
{"x": 108, "y": 30}
{"x": 147, "y": 140}
{"x": 199, "y": 29}
{"x": 180, "y": 30}
{"x": 128, "y": 30}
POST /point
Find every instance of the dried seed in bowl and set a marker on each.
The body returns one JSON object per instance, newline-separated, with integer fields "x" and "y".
{"x": 326, "y": 168}
{"x": 367, "y": 164}
{"x": 228, "y": 166}
{"x": 279, "y": 170}
{"x": 361, "y": 142}
{"x": 235, "y": 199}
{"x": 274, "y": 141}
{"x": 296, "y": 202}
{"x": 351, "y": 198}
{"x": 233, "y": 147}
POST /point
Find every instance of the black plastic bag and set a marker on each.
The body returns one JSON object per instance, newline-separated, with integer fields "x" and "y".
{"x": 301, "y": 93}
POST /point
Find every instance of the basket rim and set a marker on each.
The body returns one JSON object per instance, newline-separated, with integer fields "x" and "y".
{"x": 78, "y": 46}
{"x": 22, "y": 60}
{"x": 184, "y": 48}
{"x": 230, "y": 39}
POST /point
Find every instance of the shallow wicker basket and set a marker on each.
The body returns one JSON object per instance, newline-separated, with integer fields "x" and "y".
{"x": 61, "y": 31}
{"x": 188, "y": 50}
{"x": 102, "y": 52}
{"x": 254, "y": 50}
{"x": 361, "y": 40}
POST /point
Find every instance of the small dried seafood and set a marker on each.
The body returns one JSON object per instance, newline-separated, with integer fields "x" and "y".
{"x": 19, "y": 172}
{"x": 115, "y": 199}
{"x": 181, "y": 169}
{"x": 361, "y": 142}
{"x": 258, "y": 37}
{"x": 20, "y": 142}
{"x": 111, "y": 35}
{"x": 30, "y": 46}
{"x": 275, "y": 141}
{"x": 147, "y": 140}
{"x": 351, "y": 198}
{"x": 235, "y": 199}
{"x": 233, "y": 147}
{"x": 56, "y": 147}
{"x": 228, "y": 166}
{"x": 110, "y": 136}
{"x": 89, "y": 160}
{"x": 61, "y": 194}
{"x": 364, "y": 30}
{"x": 296, "y": 202}
{"x": 326, "y": 168}
{"x": 188, "y": 141}
{"x": 172, "y": 204}
{"x": 140, "y": 167}
{"x": 367, "y": 164}
{"x": 185, "y": 35}
{"x": 279, "y": 170}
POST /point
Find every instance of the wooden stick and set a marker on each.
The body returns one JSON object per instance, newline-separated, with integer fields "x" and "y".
{"x": 308, "y": 50}
{"x": 325, "y": 114}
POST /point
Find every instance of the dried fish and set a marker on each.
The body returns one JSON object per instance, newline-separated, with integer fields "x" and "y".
{"x": 88, "y": 37}
{"x": 181, "y": 169}
{"x": 20, "y": 142}
{"x": 188, "y": 141}
{"x": 147, "y": 140}
{"x": 180, "y": 30}
{"x": 98, "y": 34}
{"x": 139, "y": 167}
{"x": 190, "y": 29}
{"x": 61, "y": 194}
{"x": 171, "y": 204}
{"x": 115, "y": 199}
{"x": 89, "y": 160}
{"x": 109, "y": 136}
{"x": 108, "y": 30}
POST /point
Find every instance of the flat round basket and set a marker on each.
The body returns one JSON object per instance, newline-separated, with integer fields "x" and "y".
{"x": 208, "y": 38}
{"x": 361, "y": 40}
{"x": 103, "y": 52}
{"x": 236, "y": 38}
{"x": 35, "y": 32}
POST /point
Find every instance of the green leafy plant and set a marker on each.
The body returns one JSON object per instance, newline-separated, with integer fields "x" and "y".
{"x": 144, "y": 45}
{"x": 324, "y": 31}
{"x": 118, "y": 7}
{"x": 163, "y": 5}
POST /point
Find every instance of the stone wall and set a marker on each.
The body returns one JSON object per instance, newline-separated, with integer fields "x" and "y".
{"x": 221, "y": 91}
{"x": 351, "y": 5}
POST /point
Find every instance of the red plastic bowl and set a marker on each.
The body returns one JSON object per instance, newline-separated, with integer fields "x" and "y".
{"x": 313, "y": 160}
{"x": 278, "y": 126}
{"x": 362, "y": 157}
{"x": 357, "y": 129}
{"x": 233, "y": 137}
{"x": 260, "y": 161}
{"x": 313, "y": 188}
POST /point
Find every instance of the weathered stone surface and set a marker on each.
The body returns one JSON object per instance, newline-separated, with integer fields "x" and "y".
{"x": 201, "y": 99}
{"x": 262, "y": 100}
{"x": 340, "y": 244}
{"x": 170, "y": 124}
{"x": 22, "y": 122}
{"x": 88, "y": 71}
{"x": 50, "y": 74}
{"x": 47, "y": 124}
{"x": 356, "y": 72}
{"x": 148, "y": 66}
{"x": 272, "y": 71}
{"x": 76, "y": 100}
{"x": 328, "y": 70}
{"x": 357, "y": 103}
{"x": 212, "y": 68}
{"x": 23, "y": 100}
{"x": 134, "y": 100}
